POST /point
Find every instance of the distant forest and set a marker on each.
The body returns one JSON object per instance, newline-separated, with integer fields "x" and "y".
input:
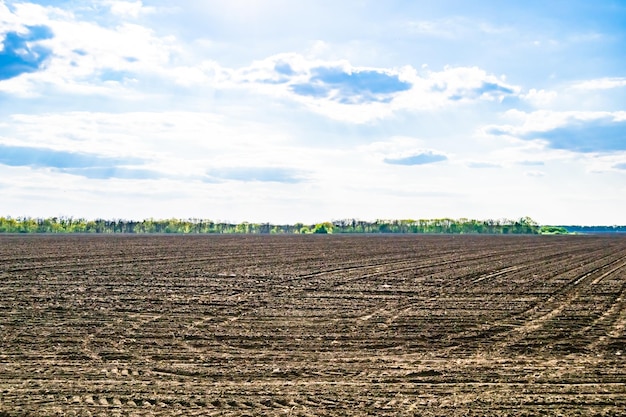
{"x": 523, "y": 225}
{"x": 201, "y": 226}
{"x": 595, "y": 229}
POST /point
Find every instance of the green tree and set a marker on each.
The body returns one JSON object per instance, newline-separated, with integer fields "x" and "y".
{"x": 323, "y": 228}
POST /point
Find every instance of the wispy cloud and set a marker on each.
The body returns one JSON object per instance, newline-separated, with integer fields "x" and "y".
{"x": 42, "y": 157}
{"x": 131, "y": 9}
{"x": 601, "y": 84}
{"x": 486, "y": 89}
{"x": 256, "y": 174}
{"x": 481, "y": 165}
{"x": 422, "y": 158}
{"x": 582, "y": 132}
{"x": 81, "y": 164}
{"x": 588, "y": 136}
{"x": 455, "y": 27}
{"x": 532, "y": 163}
{"x": 469, "y": 84}
{"x": 351, "y": 87}
{"x": 103, "y": 173}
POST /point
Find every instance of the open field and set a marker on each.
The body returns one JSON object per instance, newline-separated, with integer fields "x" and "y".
{"x": 312, "y": 325}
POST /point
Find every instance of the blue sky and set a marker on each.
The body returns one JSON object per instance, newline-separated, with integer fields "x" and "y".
{"x": 287, "y": 111}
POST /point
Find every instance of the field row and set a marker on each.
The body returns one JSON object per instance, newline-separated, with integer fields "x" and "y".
{"x": 312, "y": 325}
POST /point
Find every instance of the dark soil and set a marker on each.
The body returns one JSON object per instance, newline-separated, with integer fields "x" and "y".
{"x": 312, "y": 325}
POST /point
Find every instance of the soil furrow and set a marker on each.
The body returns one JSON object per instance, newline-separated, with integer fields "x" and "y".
{"x": 312, "y": 325}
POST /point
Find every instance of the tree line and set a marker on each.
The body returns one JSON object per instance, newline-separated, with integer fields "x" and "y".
{"x": 523, "y": 225}
{"x": 595, "y": 229}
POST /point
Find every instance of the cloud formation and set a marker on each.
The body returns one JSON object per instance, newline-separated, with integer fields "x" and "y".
{"x": 130, "y": 61}
{"x": 256, "y": 174}
{"x": 81, "y": 164}
{"x": 343, "y": 91}
{"x": 104, "y": 173}
{"x": 422, "y": 158}
{"x": 600, "y": 135}
{"x": 351, "y": 87}
{"x": 42, "y": 157}
{"x": 583, "y": 132}
{"x": 601, "y": 83}
{"x": 483, "y": 165}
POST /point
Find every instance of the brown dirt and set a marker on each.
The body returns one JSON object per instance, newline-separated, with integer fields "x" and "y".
{"x": 312, "y": 325}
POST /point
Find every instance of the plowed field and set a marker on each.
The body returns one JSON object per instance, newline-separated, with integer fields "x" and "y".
{"x": 312, "y": 325}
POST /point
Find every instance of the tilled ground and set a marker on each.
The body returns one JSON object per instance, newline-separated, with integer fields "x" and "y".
{"x": 312, "y": 325}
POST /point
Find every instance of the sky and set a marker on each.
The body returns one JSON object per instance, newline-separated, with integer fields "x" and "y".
{"x": 281, "y": 111}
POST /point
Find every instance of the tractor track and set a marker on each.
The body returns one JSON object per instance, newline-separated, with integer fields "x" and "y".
{"x": 312, "y": 325}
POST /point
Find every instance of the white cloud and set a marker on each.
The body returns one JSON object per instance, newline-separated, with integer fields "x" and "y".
{"x": 128, "y": 8}
{"x": 91, "y": 59}
{"x": 453, "y": 27}
{"x": 9, "y": 22}
{"x": 429, "y": 90}
{"x": 88, "y": 58}
{"x": 539, "y": 98}
{"x": 543, "y": 120}
{"x": 606, "y": 83}
{"x": 178, "y": 143}
{"x": 394, "y": 147}
{"x": 483, "y": 164}
{"x": 573, "y": 133}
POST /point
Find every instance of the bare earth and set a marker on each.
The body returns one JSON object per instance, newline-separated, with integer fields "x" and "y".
{"x": 312, "y": 325}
